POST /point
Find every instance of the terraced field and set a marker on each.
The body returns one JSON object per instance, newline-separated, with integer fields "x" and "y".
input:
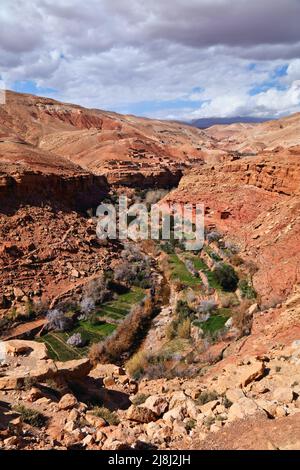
{"x": 105, "y": 321}
{"x": 200, "y": 265}
{"x": 215, "y": 322}
{"x": 180, "y": 272}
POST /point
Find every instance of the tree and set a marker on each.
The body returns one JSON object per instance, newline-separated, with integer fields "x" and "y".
{"x": 226, "y": 277}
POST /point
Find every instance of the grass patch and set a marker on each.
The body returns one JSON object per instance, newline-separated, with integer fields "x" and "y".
{"x": 180, "y": 272}
{"x": 215, "y": 322}
{"x": 200, "y": 265}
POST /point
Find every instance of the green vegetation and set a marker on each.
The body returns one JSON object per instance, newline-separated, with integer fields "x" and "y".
{"x": 139, "y": 399}
{"x": 206, "y": 397}
{"x": 109, "y": 416}
{"x": 29, "y": 416}
{"x": 215, "y": 322}
{"x": 246, "y": 289}
{"x": 226, "y": 277}
{"x": 180, "y": 272}
{"x": 94, "y": 330}
{"x": 200, "y": 265}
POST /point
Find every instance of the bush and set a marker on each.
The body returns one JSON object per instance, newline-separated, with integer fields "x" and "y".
{"x": 29, "y": 416}
{"x": 139, "y": 399}
{"x": 127, "y": 336}
{"x": 184, "y": 329}
{"x": 206, "y": 396}
{"x": 137, "y": 364}
{"x": 190, "y": 424}
{"x": 213, "y": 236}
{"x": 75, "y": 340}
{"x": 232, "y": 247}
{"x": 226, "y": 277}
{"x": 246, "y": 289}
{"x": 134, "y": 268}
{"x": 207, "y": 306}
{"x": 95, "y": 292}
{"x": 58, "y": 321}
{"x": 109, "y": 416}
{"x": 183, "y": 310}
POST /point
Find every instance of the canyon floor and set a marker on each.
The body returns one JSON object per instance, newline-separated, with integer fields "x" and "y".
{"x": 117, "y": 345}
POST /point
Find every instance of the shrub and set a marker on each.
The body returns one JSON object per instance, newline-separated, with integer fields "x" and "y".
{"x": 190, "y": 424}
{"x": 236, "y": 260}
{"x": 241, "y": 320}
{"x": 226, "y": 277}
{"x": 29, "y": 416}
{"x": 232, "y": 247}
{"x": 208, "y": 421}
{"x": 184, "y": 329}
{"x": 206, "y": 396}
{"x": 29, "y": 382}
{"x": 127, "y": 336}
{"x": 213, "y": 236}
{"x": 207, "y": 306}
{"x": 58, "y": 321}
{"x": 13, "y": 314}
{"x": 95, "y": 292}
{"x": 75, "y": 340}
{"x": 246, "y": 289}
{"x": 109, "y": 416}
{"x": 139, "y": 399}
{"x": 183, "y": 310}
{"x": 137, "y": 364}
{"x": 171, "y": 330}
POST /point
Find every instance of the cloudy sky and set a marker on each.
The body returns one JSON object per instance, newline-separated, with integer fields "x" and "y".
{"x": 181, "y": 59}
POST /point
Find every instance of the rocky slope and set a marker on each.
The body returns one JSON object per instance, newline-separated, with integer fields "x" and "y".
{"x": 255, "y": 202}
{"x": 253, "y": 138}
{"x": 57, "y": 160}
{"x": 126, "y": 149}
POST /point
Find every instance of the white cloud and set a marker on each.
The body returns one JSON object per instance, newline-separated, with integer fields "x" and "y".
{"x": 113, "y": 54}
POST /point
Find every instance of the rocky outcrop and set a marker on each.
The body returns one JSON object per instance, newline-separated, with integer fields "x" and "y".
{"x": 255, "y": 203}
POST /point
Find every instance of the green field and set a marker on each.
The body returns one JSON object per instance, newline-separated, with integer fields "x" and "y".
{"x": 92, "y": 332}
{"x": 180, "y": 272}
{"x": 200, "y": 265}
{"x": 215, "y": 322}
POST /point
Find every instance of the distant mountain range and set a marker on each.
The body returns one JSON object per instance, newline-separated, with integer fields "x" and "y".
{"x": 208, "y": 122}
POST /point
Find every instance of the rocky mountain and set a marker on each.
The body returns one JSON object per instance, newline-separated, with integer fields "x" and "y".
{"x": 248, "y": 138}
{"x": 204, "y": 123}
{"x": 116, "y": 345}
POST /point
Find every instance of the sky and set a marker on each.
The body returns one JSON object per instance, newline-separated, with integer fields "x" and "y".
{"x": 168, "y": 59}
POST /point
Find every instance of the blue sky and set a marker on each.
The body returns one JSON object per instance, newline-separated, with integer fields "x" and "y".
{"x": 179, "y": 59}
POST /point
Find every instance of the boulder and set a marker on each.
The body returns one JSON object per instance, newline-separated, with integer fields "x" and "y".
{"x": 234, "y": 394}
{"x": 283, "y": 394}
{"x": 248, "y": 373}
{"x": 157, "y": 404}
{"x": 242, "y": 408}
{"x": 19, "y": 347}
{"x": 208, "y": 407}
{"x": 177, "y": 399}
{"x": 75, "y": 369}
{"x": 67, "y": 402}
{"x": 95, "y": 421}
{"x": 140, "y": 414}
{"x": 253, "y": 309}
{"x": 34, "y": 394}
{"x": 175, "y": 413}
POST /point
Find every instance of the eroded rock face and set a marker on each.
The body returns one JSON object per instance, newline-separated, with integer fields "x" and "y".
{"x": 260, "y": 196}
{"x": 28, "y": 361}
